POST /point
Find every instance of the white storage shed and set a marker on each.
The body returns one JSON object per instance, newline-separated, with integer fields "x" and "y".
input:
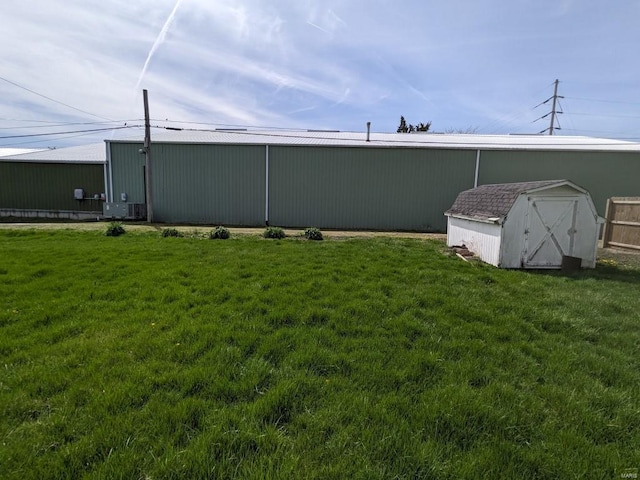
{"x": 526, "y": 225}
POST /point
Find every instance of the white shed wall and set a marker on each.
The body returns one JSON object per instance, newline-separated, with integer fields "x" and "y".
{"x": 481, "y": 238}
{"x": 588, "y": 232}
{"x": 513, "y": 234}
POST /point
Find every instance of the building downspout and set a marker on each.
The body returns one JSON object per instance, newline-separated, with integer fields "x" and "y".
{"x": 109, "y": 180}
{"x": 475, "y": 180}
{"x": 266, "y": 185}
{"x": 105, "y": 171}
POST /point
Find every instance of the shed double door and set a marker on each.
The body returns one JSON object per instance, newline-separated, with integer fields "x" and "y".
{"x": 550, "y": 231}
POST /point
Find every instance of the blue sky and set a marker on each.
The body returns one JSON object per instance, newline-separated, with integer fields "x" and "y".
{"x": 331, "y": 64}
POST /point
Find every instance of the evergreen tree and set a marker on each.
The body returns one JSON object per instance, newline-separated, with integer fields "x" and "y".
{"x": 404, "y": 128}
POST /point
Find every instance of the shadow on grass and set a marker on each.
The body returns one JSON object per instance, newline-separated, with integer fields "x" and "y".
{"x": 601, "y": 272}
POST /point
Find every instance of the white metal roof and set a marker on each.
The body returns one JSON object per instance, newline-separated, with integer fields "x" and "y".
{"x": 6, "y": 151}
{"x": 96, "y": 152}
{"x": 91, "y": 153}
{"x": 398, "y": 140}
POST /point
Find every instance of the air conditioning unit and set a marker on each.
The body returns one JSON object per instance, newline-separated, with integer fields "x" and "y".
{"x": 137, "y": 211}
{"x": 124, "y": 211}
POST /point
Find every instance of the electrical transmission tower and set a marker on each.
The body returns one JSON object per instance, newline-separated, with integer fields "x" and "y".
{"x": 554, "y": 111}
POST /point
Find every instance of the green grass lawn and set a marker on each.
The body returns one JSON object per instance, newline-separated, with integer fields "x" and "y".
{"x": 148, "y": 357}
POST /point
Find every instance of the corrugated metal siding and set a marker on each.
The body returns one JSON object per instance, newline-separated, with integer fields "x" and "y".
{"x": 127, "y": 166}
{"x": 368, "y": 188}
{"x": 604, "y": 175}
{"x": 49, "y": 186}
{"x": 209, "y": 184}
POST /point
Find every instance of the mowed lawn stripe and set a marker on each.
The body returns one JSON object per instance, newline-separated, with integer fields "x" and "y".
{"x": 140, "y": 356}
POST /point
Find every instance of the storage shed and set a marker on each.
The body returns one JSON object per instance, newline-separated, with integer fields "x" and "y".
{"x": 527, "y": 224}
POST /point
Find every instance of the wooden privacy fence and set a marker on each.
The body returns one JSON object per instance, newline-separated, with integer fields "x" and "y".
{"x": 622, "y": 228}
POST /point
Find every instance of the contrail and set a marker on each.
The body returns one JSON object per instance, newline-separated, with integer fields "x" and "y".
{"x": 319, "y": 27}
{"x": 154, "y": 47}
{"x": 158, "y": 42}
{"x": 397, "y": 76}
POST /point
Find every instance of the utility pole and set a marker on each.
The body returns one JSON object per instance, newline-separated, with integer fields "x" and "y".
{"x": 553, "y": 112}
{"x": 553, "y": 108}
{"x": 147, "y": 154}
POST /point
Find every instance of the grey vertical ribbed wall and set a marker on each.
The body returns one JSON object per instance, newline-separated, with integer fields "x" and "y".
{"x": 603, "y": 174}
{"x": 209, "y": 184}
{"x": 366, "y": 188}
{"x": 127, "y": 170}
{"x": 50, "y": 186}
{"x": 345, "y": 187}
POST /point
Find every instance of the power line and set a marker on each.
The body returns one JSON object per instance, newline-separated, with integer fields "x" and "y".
{"x": 53, "y": 100}
{"x": 507, "y": 122}
{"x": 231, "y": 125}
{"x": 593, "y": 131}
{"x": 30, "y": 142}
{"x": 604, "y": 115}
{"x": 512, "y": 118}
{"x": 64, "y": 133}
{"x": 57, "y": 124}
{"x": 603, "y": 101}
{"x": 568, "y": 117}
{"x": 23, "y": 120}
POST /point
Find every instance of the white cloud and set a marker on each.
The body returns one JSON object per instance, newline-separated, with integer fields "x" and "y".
{"x": 331, "y": 64}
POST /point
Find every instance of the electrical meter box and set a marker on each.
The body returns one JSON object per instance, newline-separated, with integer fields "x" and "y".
{"x": 124, "y": 211}
{"x": 78, "y": 194}
{"x": 114, "y": 210}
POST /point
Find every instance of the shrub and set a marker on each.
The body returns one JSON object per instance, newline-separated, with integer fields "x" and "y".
{"x": 273, "y": 232}
{"x": 313, "y": 233}
{"x": 171, "y": 232}
{"x": 219, "y": 232}
{"x": 115, "y": 229}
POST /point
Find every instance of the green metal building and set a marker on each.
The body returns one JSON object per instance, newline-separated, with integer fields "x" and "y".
{"x": 340, "y": 180}
{"x": 62, "y": 183}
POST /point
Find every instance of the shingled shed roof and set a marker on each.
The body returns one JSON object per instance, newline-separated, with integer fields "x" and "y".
{"x": 493, "y": 202}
